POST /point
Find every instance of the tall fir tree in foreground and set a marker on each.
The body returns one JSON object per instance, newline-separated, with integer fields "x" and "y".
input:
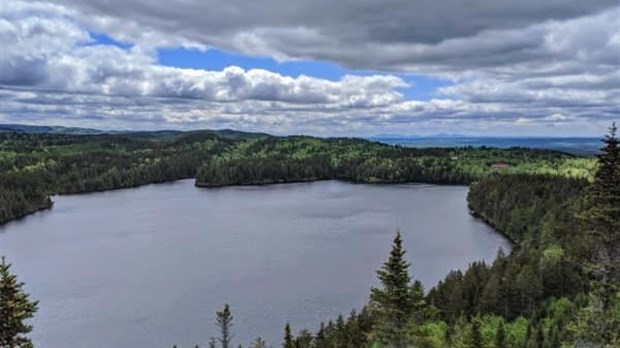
{"x": 602, "y": 223}
{"x": 15, "y": 308}
{"x": 223, "y": 319}
{"x": 394, "y": 303}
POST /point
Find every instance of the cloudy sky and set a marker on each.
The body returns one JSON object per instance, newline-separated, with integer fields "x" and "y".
{"x": 363, "y": 67}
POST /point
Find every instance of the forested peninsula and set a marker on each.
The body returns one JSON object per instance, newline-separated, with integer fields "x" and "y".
{"x": 34, "y": 166}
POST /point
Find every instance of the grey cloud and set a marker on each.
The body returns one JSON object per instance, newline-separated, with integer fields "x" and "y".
{"x": 398, "y": 35}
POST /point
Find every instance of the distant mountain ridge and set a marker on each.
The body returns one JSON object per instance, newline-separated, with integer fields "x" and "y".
{"x": 31, "y": 129}
{"x": 574, "y": 145}
{"x": 22, "y": 128}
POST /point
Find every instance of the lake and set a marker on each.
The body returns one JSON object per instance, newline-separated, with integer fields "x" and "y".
{"x": 148, "y": 267}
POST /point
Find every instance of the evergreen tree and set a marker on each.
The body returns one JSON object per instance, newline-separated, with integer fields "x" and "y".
{"x": 288, "y": 337}
{"x": 394, "y": 302}
{"x": 224, "y": 323}
{"x": 212, "y": 342}
{"x": 15, "y": 308}
{"x": 603, "y": 220}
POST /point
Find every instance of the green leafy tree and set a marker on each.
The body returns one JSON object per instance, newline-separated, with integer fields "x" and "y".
{"x": 15, "y": 308}
{"x": 394, "y": 302}
{"x": 224, "y": 320}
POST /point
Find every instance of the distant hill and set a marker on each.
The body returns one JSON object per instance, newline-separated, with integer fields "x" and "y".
{"x": 22, "y": 128}
{"x": 199, "y": 134}
{"x": 574, "y": 145}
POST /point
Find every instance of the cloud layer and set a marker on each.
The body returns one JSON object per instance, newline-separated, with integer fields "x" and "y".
{"x": 516, "y": 67}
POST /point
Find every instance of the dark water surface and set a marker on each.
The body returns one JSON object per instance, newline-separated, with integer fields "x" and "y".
{"x": 148, "y": 267}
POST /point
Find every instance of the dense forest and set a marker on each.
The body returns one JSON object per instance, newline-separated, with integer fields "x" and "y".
{"x": 276, "y": 160}
{"x": 34, "y": 166}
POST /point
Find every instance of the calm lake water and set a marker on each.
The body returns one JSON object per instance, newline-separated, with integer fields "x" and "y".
{"x": 148, "y": 267}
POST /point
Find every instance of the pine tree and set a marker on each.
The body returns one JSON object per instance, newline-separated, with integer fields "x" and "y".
{"x": 288, "y": 337}
{"x": 212, "y": 342}
{"x": 500, "y": 336}
{"x": 394, "y": 302}
{"x": 224, "y": 323}
{"x": 15, "y": 309}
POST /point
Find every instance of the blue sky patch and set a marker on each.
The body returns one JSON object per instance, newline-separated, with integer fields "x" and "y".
{"x": 102, "y": 39}
{"x": 423, "y": 87}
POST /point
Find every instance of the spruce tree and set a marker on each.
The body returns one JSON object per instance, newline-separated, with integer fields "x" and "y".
{"x": 394, "y": 301}
{"x": 15, "y": 308}
{"x": 603, "y": 222}
{"x": 224, "y": 323}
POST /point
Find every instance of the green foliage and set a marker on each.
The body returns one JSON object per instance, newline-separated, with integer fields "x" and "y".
{"x": 15, "y": 309}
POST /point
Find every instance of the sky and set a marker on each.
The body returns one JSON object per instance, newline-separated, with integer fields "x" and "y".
{"x": 317, "y": 67}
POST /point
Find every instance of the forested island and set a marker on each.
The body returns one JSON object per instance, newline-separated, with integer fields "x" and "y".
{"x": 560, "y": 287}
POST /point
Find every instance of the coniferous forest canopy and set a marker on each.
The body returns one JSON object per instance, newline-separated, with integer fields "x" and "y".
{"x": 559, "y": 287}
